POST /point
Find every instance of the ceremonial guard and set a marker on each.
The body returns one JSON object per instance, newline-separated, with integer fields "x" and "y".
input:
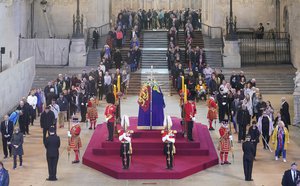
{"x": 110, "y": 112}
{"x": 190, "y": 112}
{"x": 126, "y": 147}
{"x": 92, "y": 113}
{"x": 168, "y": 137}
{"x": 212, "y": 113}
{"x": 74, "y": 139}
{"x": 224, "y": 143}
{"x": 223, "y": 103}
{"x": 181, "y": 105}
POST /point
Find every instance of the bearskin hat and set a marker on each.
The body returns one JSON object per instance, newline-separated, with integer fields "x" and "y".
{"x": 192, "y": 95}
{"x": 110, "y": 98}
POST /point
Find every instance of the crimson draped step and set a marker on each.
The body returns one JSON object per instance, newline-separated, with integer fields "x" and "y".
{"x": 148, "y": 161}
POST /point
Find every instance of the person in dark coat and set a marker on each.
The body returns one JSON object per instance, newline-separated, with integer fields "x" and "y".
{"x": 118, "y": 59}
{"x": 243, "y": 119}
{"x": 7, "y": 128}
{"x": 254, "y": 133}
{"x": 83, "y": 100}
{"x": 47, "y": 120}
{"x": 248, "y": 158}
{"x": 63, "y": 104}
{"x": 17, "y": 140}
{"x": 95, "y": 39}
{"x": 291, "y": 177}
{"x": 265, "y": 127}
{"x": 24, "y": 117}
{"x": 284, "y": 111}
{"x": 52, "y": 145}
{"x": 4, "y": 176}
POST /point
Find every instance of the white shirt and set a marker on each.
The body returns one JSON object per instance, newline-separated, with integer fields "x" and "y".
{"x": 294, "y": 175}
{"x": 32, "y": 100}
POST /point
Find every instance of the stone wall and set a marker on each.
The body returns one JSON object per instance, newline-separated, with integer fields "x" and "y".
{"x": 17, "y": 85}
{"x": 249, "y": 13}
{"x": 14, "y": 21}
{"x": 291, "y": 22}
{"x": 60, "y": 14}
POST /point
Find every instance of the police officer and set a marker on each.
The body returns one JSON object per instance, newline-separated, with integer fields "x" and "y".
{"x": 248, "y": 157}
{"x": 52, "y": 145}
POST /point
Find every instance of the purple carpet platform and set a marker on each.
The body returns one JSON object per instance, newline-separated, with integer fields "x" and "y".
{"x": 148, "y": 160}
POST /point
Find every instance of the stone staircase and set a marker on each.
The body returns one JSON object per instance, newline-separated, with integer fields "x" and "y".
{"x": 93, "y": 56}
{"x": 45, "y": 74}
{"x": 269, "y": 79}
{"x": 213, "y": 52}
{"x": 153, "y": 54}
{"x": 154, "y": 51}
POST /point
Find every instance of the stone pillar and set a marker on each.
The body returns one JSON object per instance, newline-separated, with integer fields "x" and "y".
{"x": 297, "y": 99}
{"x": 297, "y": 108}
{"x": 78, "y": 55}
{"x": 232, "y": 57}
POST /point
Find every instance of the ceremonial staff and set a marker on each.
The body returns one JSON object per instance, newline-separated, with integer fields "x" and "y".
{"x": 231, "y": 139}
{"x": 69, "y": 133}
{"x": 266, "y": 142}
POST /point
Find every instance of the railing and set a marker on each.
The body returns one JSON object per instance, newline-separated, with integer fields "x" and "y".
{"x": 250, "y": 33}
{"x": 102, "y": 30}
{"x": 269, "y": 50}
{"x": 214, "y": 33}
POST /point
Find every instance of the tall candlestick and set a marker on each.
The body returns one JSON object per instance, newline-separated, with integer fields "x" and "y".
{"x": 182, "y": 84}
{"x": 115, "y": 91}
{"x": 119, "y": 84}
{"x": 185, "y": 94}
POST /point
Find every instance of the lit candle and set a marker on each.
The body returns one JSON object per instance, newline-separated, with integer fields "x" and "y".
{"x": 182, "y": 84}
{"x": 119, "y": 84}
{"x": 115, "y": 91}
{"x": 185, "y": 94}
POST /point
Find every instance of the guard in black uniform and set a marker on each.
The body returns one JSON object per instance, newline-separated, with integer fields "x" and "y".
{"x": 248, "y": 157}
{"x": 52, "y": 145}
{"x": 254, "y": 133}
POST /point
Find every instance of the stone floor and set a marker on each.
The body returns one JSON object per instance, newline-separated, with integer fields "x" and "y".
{"x": 267, "y": 172}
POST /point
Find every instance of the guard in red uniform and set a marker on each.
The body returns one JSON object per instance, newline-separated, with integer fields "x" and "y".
{"x": 190, "y": 113}
{"x": 168, "y": 137}
{"x": 110, "y": 112}
{"x": 181, "y": 105}
{"x": 212, "y": 113}
{"x": 75, "y": 140}
{"x": 224, "y": 143}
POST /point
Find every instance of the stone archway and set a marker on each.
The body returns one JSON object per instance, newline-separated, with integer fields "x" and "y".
{"x": 286, "y": 23}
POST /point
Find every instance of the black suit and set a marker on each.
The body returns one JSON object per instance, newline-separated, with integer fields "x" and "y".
{"x": 287, "y": 179}
{"x": 6, "y": 132}
{"x": 52, "y": 145}
{"x": 47, "y": 120}
{"x": 248, "y": 149}
{"x": 284, "y": 111}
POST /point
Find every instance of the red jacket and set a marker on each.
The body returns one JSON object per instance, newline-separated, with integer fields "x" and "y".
{"x": 110, "y": 110}
{"x": 190, "y": 110}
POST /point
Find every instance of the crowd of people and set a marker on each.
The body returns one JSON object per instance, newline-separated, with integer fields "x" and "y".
{"x": 235, "y": 100}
